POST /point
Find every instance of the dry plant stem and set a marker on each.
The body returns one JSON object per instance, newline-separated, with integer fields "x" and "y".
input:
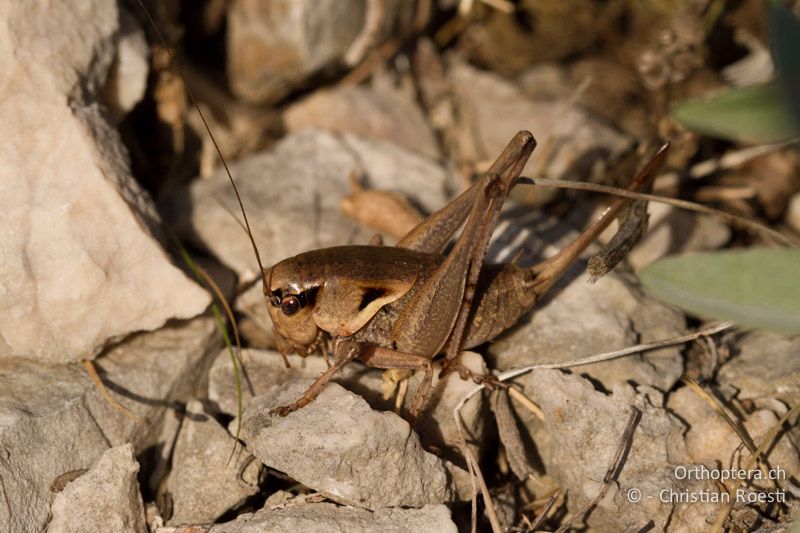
{"x": 714, "y": 403}
{"x": 476, "y": 474}
{"x": 92, "y": 371}
{"x": 677, "y": 202}
{"x": 376, "y": 57}
{"x": 529, "y": 404}
{"x": 543, "y": 515}
{"x": 737, "y": 158}
{"x": 607, "y": 356}
{"x": 765, "y": 445}
{"x": 611, "y": 473}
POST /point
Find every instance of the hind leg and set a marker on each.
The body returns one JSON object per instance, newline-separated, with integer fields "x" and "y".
{"x": 386, "y": 358}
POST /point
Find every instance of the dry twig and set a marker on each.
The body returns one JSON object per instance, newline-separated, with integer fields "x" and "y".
{"x": 611, "y": 473}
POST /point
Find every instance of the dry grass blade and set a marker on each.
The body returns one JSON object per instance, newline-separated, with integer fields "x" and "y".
{"x": 526, "y": 402}
{"x": 476, "y": 474}
{"x": 714, "y": 403}
{"x": 676, "y": 202}
{"x": 611, "y": 473}
{"x": 98, "y": 382}
{"x": 737, "y": 158}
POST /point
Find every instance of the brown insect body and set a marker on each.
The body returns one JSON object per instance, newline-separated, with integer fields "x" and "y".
{"x": 379, "y": 281}
{"x": 399, "y": 307}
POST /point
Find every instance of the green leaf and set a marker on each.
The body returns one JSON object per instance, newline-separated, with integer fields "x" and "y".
{"x": 785, "y": 30}
{"x": 748, "y": 114}
{"x": 759, "y": 288}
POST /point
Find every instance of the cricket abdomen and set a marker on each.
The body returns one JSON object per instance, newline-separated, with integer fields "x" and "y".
{"x": 504, "y": 293}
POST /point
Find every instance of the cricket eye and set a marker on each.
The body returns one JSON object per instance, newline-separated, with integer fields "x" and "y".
{"x": 290, "y": 305}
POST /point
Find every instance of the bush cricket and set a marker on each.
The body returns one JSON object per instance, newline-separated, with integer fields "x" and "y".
{"x": 400, "y": 307}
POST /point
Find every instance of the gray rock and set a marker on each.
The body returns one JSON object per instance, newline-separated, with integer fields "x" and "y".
{"x": 492, "y": 110}
{"x": 106, "y": 498}
{"x": 80, "y": 266}
{"x": 293, "y": 192}
{"x": 277, "y": 46}
{"x": 764, "y": 365}
{"x": 339, "y": 446}
{"x": 203, "y": 481}
{"x": 388, "y": 115}
{"x": 578, "y": 440}
{"x": 577, "y": 319}
{"x": 329, "y": 518}
{"x": 53, "y": 420}
{"x": 266, "y": 372}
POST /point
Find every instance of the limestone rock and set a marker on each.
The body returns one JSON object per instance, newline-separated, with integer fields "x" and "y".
{"x": 53, "y": 420}
{"x": 339, "y": 446}
{"x": 381, "y": 114}
{"x": 80, "y": 265}
{"x": 292, "y": 195}
{"x": 330, "y": 518}
{"x": 203, "y": 482}
{"x": 106, "y": 498}
{"x": 578, "y": 440}
{"x": 436, "y": 424}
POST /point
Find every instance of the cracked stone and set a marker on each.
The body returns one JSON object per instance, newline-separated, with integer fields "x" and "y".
{"x": 203, "y": 480}
{"x": 579, "y": 438}
{"x": 53, "y": 420}
{"x": 340, "y": 447}
{"x": 106, "y": 498}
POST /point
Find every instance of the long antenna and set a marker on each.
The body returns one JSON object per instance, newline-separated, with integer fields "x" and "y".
{"x": 176, "y": 66}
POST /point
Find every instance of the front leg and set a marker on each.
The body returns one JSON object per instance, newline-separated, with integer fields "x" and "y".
{"x": 344, "y": 351}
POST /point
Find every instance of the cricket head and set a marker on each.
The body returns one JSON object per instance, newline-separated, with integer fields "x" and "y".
{"x": 290, "y": 303}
